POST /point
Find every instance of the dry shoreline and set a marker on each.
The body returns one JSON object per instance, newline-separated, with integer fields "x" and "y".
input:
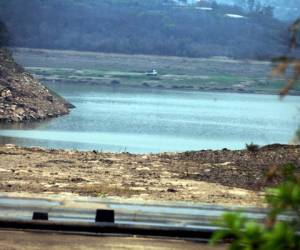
{"x": 222, "y": 177}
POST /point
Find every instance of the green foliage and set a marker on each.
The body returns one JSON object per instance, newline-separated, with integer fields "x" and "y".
{"x": 287, "y": 195}
{"x": 274, "y": 234}
{"x": 247, "y": 234}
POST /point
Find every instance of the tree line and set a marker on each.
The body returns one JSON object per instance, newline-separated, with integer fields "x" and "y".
{"x": 143, "y": 27}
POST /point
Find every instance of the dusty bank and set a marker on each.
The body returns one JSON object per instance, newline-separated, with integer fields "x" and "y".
{"x": 224, "y": 177}
{"x": 23, "y": 98}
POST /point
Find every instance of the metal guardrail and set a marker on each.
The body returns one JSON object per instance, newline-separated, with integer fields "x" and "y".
{"x": 101, "y": 228}
{"x": 116, "y": 217}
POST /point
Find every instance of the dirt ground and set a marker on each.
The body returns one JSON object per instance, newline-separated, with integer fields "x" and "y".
{"x": 18, "y": 240}
{"x": 223, "y": 177}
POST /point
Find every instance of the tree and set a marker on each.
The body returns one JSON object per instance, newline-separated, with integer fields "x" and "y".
{"x": 251, "y": 5}
{"x": 268, "y": 11}
{"x": 242, "y": 3}
{"x": 107, "y": 26}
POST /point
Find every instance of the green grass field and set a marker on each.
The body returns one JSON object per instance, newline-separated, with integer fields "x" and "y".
{"x": 212, "y": 74}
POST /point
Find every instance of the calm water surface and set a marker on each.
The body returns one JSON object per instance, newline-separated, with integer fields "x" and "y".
{"x": 142, "y": 120}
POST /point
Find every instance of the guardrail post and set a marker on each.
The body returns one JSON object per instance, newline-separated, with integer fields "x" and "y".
{"x": 105, "y": 215}
{"x": 39, "y": 216}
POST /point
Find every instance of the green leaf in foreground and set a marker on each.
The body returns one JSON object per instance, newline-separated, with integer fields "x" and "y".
{"x": 274, "y": 234}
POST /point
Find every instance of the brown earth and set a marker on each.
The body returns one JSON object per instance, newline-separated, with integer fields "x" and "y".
{"x": 18, "y": 240}
{"x": 224, "y": 177}
{"x": 23, "y": 98}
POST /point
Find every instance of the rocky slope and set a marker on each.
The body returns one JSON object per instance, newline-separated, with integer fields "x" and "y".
{"x": 210, "y": 176}
{"x": 23, "y": 98}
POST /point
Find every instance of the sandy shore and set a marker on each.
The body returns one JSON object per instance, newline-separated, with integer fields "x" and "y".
{"x": 224, "y": 177}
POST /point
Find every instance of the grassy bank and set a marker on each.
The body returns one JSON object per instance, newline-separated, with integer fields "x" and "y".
{"x": 212, "y": 74}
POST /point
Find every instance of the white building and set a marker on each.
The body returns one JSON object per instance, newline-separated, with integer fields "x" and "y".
{"x": 189, "y": 2}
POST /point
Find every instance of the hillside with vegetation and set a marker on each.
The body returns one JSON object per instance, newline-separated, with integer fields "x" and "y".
{"x": 144, "y": 27}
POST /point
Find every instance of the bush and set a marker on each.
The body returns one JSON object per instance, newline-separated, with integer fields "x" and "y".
{"x": 252, "y": 147}
{"x": 274, "y": 234}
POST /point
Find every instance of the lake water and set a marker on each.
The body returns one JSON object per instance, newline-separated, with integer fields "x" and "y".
{"x": 143, "y": 120}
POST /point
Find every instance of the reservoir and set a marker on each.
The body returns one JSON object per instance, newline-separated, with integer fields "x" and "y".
{"x": 143, "y": 120}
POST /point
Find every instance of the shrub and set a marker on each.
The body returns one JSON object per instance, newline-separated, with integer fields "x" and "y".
{"x": 252, "y": 147}
{"x": 273, "y": 234}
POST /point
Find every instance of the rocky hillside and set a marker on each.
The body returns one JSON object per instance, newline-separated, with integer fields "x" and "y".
{"x": 23, "y": 98}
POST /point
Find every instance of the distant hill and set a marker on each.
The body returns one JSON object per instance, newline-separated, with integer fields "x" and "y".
{"x": 144, "y": 27}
